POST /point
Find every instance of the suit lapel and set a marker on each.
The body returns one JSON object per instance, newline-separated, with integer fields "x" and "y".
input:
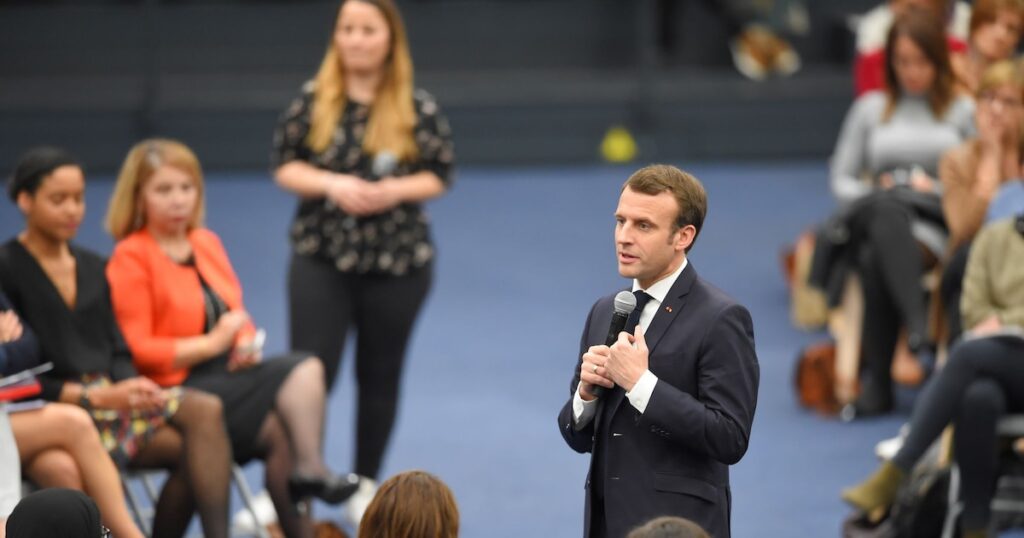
{"x": 670, "y": 308}
{"x": 667, "y": 311}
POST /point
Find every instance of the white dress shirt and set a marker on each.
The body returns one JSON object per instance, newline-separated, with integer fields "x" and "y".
{"x": 583, "y": 411}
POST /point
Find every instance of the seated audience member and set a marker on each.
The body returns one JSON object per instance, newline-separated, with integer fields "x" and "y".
{"x": 179, "y": 305}
{"x": 61, "y": 291}
{"x": 54, "y": 512}
{"x": 995, "y": 32}
{"x": 59, "y": 440}
{"x": 669, "y": 527}
{"x": 891, "y": 225}
{"x": 973, "y": 173}
{"x": 981, "y": 381}
{"x": 873, "y": 29}
{"x": 413, "y": 504}
{"x": 18, "y": 351}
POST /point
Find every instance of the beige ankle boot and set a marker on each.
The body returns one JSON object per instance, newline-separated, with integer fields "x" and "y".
{"x": 878, "y": 491}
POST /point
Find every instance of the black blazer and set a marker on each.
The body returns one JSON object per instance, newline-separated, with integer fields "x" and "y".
{"x": 674, "y": 458}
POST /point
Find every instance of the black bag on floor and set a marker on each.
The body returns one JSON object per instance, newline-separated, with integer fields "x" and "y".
{"x": 919, "y": 510}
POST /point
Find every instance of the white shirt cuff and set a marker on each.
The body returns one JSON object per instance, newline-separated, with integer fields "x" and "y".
{"x": 640, "y": 396}
{"x": 582, "y": 411}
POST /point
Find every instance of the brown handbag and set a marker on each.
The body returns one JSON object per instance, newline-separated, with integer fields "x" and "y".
{"x": 815, "y": 378}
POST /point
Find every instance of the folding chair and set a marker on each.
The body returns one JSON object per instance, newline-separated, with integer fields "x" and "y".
{"x": 144, "y": 515}
{"x": 1008, "y": 426}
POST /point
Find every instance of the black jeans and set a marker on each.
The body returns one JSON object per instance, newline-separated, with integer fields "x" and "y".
{"x": 890, "y": 266}
{"x": 982, "y": 380}
{"x": 325, "y": 304}
{"x": 952, "y": 288}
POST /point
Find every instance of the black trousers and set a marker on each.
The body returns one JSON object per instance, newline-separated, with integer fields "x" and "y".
{"x": 982, "y": 380}
{"x": 890, "y": 265}
{"x": 952, "y": 288}
{"x": 325, "y": 304}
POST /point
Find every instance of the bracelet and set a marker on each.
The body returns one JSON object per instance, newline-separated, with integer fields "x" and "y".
{"x": 83, "y": 399}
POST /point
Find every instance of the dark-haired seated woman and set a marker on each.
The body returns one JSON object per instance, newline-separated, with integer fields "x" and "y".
{"x": 62, "y": 292}
{"x": 891, "y": 226}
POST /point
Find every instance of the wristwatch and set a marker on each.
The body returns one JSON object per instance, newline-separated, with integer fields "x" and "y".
{"x": 83, "y": 399}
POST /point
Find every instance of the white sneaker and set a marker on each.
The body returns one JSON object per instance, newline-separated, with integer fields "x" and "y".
{"x": 242, "y": 522}
{"x": 357, "y": 503}
{"x": 887, "y": 448}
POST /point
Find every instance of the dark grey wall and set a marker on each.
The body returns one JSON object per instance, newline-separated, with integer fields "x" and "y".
{"x": 522, "y": 80}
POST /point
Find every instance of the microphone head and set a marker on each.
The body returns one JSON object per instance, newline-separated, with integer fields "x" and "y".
{"x": 625, "y": 302}
{"x": 384, "y": 163}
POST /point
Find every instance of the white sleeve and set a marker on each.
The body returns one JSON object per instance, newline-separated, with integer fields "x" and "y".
{"x": 582, "y": 411}
{"x": 640, "y": 396}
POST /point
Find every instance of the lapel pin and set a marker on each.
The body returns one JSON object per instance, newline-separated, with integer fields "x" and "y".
{"x": 668, "y": 309}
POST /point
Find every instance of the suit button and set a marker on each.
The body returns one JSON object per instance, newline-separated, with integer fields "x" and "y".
{"x": 593, "y": 438}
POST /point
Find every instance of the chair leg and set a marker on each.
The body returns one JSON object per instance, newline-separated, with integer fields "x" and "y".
{"x": 136, "y": 508}
{"x": 953, "y": 506}
{"x": 247, "y": 499}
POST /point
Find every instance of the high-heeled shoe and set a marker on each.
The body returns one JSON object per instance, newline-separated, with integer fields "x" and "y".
{"x": 330, "y": 488}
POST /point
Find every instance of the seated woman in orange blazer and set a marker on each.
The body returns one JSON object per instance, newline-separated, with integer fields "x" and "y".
{"x": 179, "y": 304}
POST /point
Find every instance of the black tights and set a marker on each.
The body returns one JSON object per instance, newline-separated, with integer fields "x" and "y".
{"x": 194, "y": 447}
{"x": 324, "y": 304}
{"x": 274, "y": 448}
{"x": 290, "y": 441}
{"x": 890, "y": 265}
{"x": 982, "y": 380}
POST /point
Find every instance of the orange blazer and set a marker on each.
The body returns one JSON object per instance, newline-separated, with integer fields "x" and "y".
{"x": 157, "y": 300}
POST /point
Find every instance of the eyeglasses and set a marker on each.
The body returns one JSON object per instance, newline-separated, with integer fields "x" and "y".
{"x": 992, "y": 99}
{"x": 104, "y": 532}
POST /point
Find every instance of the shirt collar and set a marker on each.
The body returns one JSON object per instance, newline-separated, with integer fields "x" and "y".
{"x": 659, "y": 290}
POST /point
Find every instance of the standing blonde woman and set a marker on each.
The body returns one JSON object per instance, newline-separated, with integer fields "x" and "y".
{"x": 362, "y": 151}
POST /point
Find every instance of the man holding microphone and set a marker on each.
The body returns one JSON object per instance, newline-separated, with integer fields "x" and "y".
{"x": 665, "y": 406}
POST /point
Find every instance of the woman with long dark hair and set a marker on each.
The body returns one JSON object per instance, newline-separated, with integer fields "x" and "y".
{"x": 883, "y": 174}
{"x": 362, "y": 149}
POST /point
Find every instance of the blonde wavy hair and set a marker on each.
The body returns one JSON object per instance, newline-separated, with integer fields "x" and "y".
{"x": 392, "y": 116}
{"x": 125, "y": 213}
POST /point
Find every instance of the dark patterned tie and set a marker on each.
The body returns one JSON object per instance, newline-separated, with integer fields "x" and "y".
{"x": 634, "y": 316}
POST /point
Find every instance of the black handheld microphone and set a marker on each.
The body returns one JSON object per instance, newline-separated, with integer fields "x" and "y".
{"x": 625, "y": 302}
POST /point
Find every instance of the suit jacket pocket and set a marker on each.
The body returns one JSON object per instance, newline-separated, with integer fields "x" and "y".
{"x": 688, "y": 486}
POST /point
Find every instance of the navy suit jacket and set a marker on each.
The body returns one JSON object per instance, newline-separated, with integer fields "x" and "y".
{"x": 674, "y": 458}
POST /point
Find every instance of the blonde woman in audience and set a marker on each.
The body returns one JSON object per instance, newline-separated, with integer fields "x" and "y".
{"x": 179, "y": 304}
{"x": 974, "y": 172}
{"x": 413, "y": 504}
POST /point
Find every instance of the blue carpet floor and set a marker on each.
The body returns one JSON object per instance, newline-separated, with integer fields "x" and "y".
{"x": 523, "y": 253}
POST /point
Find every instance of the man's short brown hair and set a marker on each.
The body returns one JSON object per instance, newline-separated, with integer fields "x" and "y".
{"x": 690, "y": 195}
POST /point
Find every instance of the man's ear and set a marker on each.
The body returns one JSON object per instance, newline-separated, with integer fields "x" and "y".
{"x": 24, "y": 201}
{"x": 685, "y": 237}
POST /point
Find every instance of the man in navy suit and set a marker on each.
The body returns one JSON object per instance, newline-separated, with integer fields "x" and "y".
{"x": 680, "y": 382}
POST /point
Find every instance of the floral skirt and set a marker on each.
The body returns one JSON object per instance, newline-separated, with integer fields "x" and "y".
{"x": 125, "y": 433}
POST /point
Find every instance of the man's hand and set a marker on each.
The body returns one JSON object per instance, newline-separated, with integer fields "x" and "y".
{"x": 593, "y": 372}
{"x": 627, "y": 360}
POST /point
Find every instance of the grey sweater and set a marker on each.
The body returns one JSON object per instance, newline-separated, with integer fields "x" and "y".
{"x": 912, "y": 136}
